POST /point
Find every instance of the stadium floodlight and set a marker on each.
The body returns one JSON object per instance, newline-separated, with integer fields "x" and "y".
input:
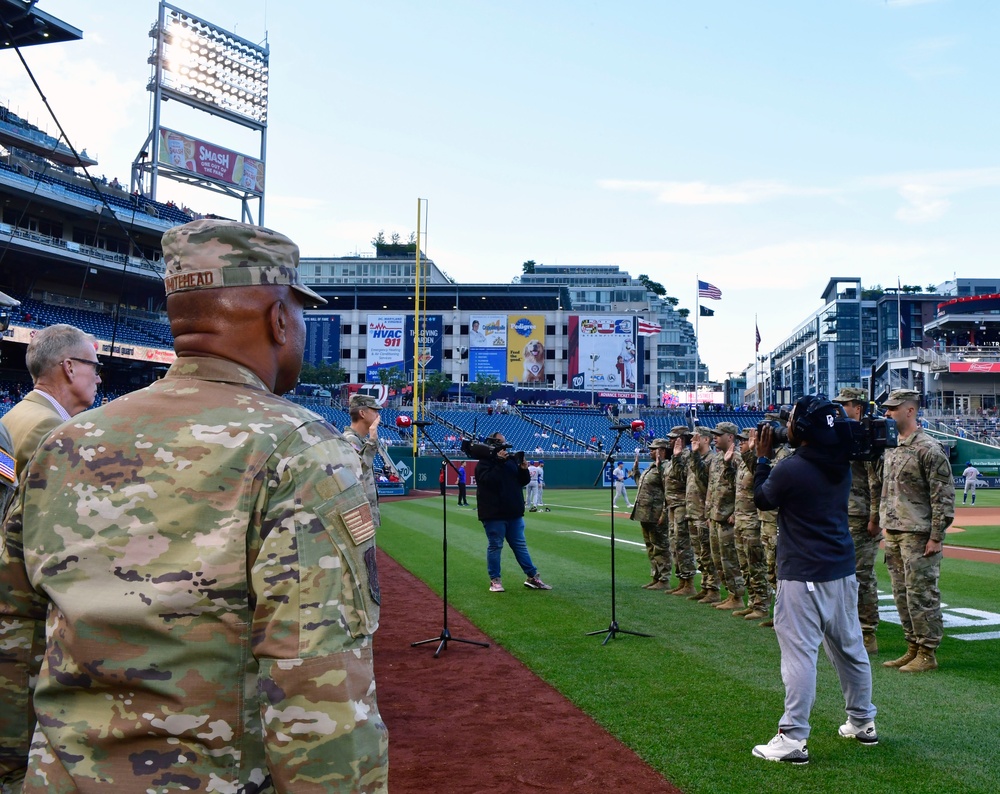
{"x": 204, "y": 65}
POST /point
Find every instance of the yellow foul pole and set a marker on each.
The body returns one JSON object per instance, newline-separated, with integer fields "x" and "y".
{"x": 416, "y": 326}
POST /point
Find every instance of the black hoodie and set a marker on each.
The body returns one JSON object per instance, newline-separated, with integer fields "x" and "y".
{"x": 810, "y": 489}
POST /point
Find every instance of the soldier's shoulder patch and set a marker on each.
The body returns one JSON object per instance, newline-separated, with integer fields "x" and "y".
{"x": 8, "y": 468}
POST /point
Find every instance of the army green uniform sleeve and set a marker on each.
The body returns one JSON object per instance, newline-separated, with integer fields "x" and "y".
{"x": 942, "y": 490}
{"x": 874, "y": 469}
{"x": 316, "y": 591}
{"x": 22, "y": 641}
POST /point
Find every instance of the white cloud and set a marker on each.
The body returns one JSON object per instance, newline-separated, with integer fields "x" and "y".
{"x": 702, "y": 193}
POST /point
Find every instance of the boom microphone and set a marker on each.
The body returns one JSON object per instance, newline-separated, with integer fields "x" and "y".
{"x": 620, "y": 428}
{"x": 421, "y": 423}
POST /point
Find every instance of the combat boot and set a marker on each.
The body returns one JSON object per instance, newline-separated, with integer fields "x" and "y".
{"x": 755, "y": 614}
{"x": 741, "y": 612}
{"x": 911, "y": 653}
{"x": 685, "y": 588}
{"x": 699, "y": 595}
{"x": 711, "y": 598}
{"x": 871, "y": 643}
{"x": 733, "y": 602}
{"x": 661, "y": 585}
{"x": 650, "y": 585}
{"x": 926, "y": 660}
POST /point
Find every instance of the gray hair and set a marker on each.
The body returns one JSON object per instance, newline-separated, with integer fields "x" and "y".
{"x": 52, "y": 345}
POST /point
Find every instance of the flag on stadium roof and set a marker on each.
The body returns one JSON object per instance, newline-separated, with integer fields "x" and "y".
{"x": 706, "y": 290}
{"x": 649, "y": 328}
{"x": 757, "y": 327}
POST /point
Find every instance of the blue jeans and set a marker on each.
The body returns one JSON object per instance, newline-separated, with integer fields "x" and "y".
{"x": 511, "y": 530}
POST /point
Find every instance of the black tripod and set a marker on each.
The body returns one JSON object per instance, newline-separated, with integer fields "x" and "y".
{"x": 445, "y": 636}
{"x": 613, "y": 630}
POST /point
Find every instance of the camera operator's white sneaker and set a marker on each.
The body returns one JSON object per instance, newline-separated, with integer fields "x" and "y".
{"x": 781, "y": 748}
{"x": 863, "y": 733}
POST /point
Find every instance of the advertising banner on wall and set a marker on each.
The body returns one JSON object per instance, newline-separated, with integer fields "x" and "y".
{"x": 987, "y": 367}
{"x": 210, "y": 161}
{"x": 488, "y": 346}
{"x": 602, "y": 353}
{"x": 322, "y": 338}
{"x": 526, "y": 348}
{"x": 385, "y": 344}
{"x": 430, "y": 343}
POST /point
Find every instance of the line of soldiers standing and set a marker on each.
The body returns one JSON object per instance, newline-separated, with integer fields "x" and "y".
{"x": 696, "y": 509}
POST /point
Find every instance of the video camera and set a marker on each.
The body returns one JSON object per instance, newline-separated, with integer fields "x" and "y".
{"x": 484, "y": 450}
{"x": 866, "y": 439}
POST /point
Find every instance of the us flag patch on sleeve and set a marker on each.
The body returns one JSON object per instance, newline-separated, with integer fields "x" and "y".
{"x": 359, "y": 523}
{"x": 8, "y": 468}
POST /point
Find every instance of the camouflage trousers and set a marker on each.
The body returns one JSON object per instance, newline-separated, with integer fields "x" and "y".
{"x": 657, "y": 537}
{"x": 915, "y": 587}
{"x": 865, "y": 551}
{"x": 680, "y": 542}
{"x": 769, "y": 537}
{"x": 727, "y": 562}
{"x": 701, "y": 543}
{"x": 753, "y": 563}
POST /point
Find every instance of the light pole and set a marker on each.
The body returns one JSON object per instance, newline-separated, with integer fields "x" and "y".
{"x": 461, "y": 352}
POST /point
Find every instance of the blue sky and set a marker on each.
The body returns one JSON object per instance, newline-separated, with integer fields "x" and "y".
{"x": 764, "y": 146}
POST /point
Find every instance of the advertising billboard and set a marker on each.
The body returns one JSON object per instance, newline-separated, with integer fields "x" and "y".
{"x": 526, "y": 348}
{"x": 602, "y": 353}
{"x": 322, "y": 338}
{"x": 431, "y": 339}
{"x": 210, "y": 161}
{"x": 488, "y": 346}
{"x": 385, "y": 344}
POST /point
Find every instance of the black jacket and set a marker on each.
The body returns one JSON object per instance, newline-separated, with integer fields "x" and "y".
{"x": 811, "y": 490}
{"x": 498, "y": 489}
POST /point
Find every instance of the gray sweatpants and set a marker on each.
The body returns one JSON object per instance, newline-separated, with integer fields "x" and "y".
{"x": 807, "y": 614}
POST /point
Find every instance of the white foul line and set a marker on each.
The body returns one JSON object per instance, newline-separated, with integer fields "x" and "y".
{"x": 602, "y": 537}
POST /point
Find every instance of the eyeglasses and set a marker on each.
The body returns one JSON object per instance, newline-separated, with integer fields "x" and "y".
{"x": 95, "y": 364}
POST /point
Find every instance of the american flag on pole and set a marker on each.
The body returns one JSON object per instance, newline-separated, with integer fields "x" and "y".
{"x": 758, "y": 336}
{"x": 649, "y": 328}
{"x": 706, "y": 290}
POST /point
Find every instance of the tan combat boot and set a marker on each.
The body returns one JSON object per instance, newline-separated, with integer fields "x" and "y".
{"x": 699, "y": 595}
{"x": 733, "y": 602}
{"x": 739, "y": 613}
{"x": 906, "y": 658}
{"x": 660, "y": 585}
{"x": 755, "y": 614}
{"x": 871, "y": 644}
{"x": 926, "y": 660}
{"x": 685, "y": 588}
{"x": 650, "y": 585}
{"x": 711, "y": 598}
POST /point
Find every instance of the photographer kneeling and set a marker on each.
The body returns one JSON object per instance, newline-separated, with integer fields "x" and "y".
{"x": 500, "y": 479}
{"x": 817, "y": 598}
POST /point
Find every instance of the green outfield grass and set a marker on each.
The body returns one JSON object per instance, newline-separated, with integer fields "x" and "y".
{"x": 694, "y": 698}
{"x": 985, "y": 497}
{"x": 987, "y": 537}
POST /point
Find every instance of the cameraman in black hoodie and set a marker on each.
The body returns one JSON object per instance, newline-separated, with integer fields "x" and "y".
{"x": 500, "y": 480}
{"x": 817, "y": 599}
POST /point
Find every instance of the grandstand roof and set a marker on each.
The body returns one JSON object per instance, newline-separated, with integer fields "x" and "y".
{"x": 22, "y": 24}
{"x": 447, "y": 297}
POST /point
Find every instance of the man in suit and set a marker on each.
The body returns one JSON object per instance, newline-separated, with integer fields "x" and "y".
{"x": 62, "y": 362}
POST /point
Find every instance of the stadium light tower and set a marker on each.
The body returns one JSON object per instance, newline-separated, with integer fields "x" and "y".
{"x": 213, "y": 70}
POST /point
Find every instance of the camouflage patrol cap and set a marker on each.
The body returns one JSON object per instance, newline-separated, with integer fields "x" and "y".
{"x": 679, "y": 431}
{"x": 659, "y": 443}
{"x": 744, "y": 434}
{"x": 725, "y": 427}
{"x": 851, "y": 395}
{"x": 900, "y": 396}
{"x": 702, "y": 431}
{"x": 212, "y": 254}
{"x": 364, "y": 401}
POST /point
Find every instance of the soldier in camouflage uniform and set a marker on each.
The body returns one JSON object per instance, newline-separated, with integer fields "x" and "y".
{"x": 362, "y": 434}
{"x": 863, "y": 519}
{"x": 918, "y": 506}
{"x": 204, "y": 552}
{"x": 749, "y": 545}
{"x": 720, "y": 505}
{"x": 676, "y": 488}
{"x": 697, "y": 489}
{"x": 769, "y": 524}
{"x": 650, "y": 510}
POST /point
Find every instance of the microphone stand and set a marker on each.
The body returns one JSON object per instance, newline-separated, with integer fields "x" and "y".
{"x": 445, "y": 636}
{"x": 613, "y": 629}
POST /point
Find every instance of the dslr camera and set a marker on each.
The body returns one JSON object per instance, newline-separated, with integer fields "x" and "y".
{"x": 484, "y": 450}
